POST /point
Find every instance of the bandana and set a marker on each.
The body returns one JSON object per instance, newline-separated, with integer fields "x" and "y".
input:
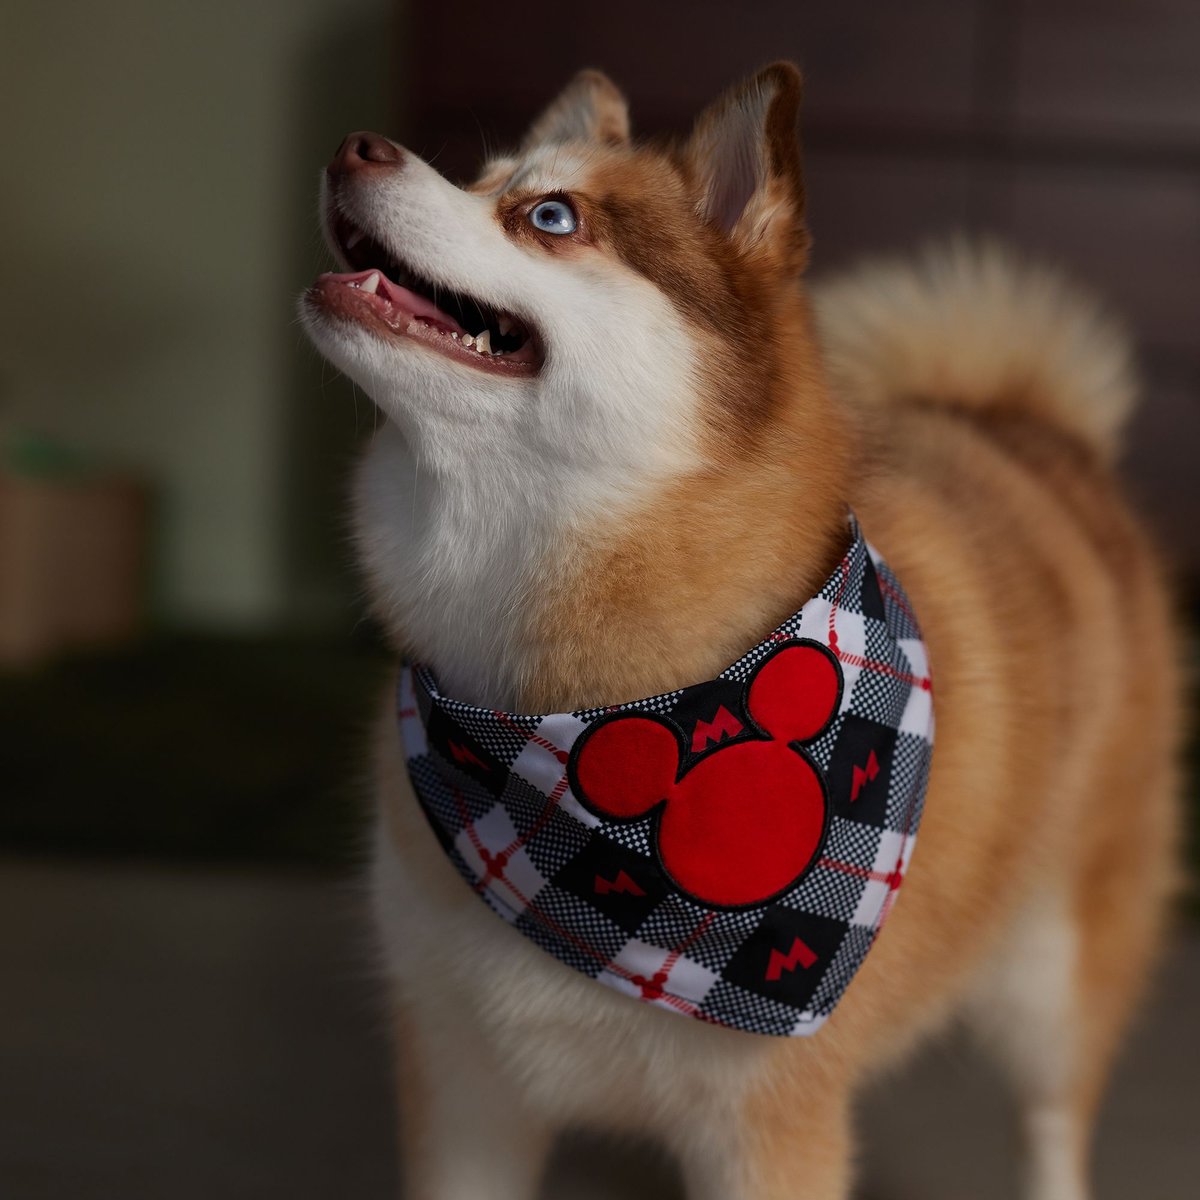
{"x": 728, "y": 851}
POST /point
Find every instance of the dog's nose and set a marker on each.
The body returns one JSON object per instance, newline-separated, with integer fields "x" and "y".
{"x": 364, "y": 150}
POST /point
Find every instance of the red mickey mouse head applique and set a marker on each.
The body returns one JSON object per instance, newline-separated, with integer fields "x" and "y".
{"x": 745, "y": 822}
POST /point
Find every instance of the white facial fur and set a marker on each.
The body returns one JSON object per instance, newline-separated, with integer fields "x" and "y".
{"x": 475, "y": 480}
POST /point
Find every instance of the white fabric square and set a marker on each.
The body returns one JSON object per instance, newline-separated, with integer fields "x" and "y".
{"x": 891, "y": 842}
{"x": 851, "y": 631}
{"x": 495, "y": 832}
{"x": 541, "y": 766}
{"x": 640, "y": 958}
{"x": 814, "y": 620}
{"x": 807, "y": 1024}
{"x": 690, "y": 979}
{"x": 544, "y": 769}
{"x": 687, "y": 979}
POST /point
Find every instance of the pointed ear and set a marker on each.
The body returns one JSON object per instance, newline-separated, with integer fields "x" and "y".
{"x": 745, "y": 157}
{"x": 590, "y": 108}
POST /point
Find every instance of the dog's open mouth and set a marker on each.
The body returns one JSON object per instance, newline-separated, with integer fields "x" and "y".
{"x": 385, "y": 294}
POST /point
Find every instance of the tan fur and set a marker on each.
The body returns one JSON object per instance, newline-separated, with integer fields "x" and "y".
{"x": 737, "y": 538}
{"x": 942, "y": 327}
{"x": 980, "y": 472}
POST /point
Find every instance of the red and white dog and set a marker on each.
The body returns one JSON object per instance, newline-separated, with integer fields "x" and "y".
{"x": 618, "y": 450}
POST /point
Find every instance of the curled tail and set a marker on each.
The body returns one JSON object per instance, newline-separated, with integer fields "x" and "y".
{"x": 973, "y": 325}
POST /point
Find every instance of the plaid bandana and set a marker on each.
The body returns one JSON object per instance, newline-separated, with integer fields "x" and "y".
{"x": 728, "y": 851}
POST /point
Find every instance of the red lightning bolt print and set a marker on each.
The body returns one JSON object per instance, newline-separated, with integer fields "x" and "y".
{"x": 723, "y": 725}
{"x": 861, "y": 776}
{"x": 463, "y": 754}
{"x": 622, "y": 883}
{"x": 798, "y": 955}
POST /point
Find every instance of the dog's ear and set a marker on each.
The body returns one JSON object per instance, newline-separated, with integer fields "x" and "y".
{"x": 744, "y": 154}
{"x": 590, "y": 108}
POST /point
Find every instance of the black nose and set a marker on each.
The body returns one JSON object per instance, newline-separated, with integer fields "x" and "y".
{"x": 364, "y": 150}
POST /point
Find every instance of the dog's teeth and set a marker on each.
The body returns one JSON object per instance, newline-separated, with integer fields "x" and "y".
{"x": 483, "y": 343}
{"x": 468, "y": 340}
{"x": 505, "y": 325}
{"x": 454, "y": 335}
{"x": 371, "y": 283}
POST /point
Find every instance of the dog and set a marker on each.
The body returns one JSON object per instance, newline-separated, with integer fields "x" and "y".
{"x": 620, "y": 443}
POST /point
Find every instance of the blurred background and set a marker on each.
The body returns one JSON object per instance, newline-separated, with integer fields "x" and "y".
{"x": 185, "y": 668}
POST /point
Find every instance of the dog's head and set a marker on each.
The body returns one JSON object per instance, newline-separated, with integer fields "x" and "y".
{"x": 610, "y": 306}
{"x": 590, "y": 322}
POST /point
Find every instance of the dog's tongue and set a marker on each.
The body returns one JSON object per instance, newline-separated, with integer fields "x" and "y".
{"x": 397, "y": 297}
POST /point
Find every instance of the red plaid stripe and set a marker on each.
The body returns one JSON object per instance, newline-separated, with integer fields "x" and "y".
{"x": 857, "y": 660}
{"x": 556, "y": 793}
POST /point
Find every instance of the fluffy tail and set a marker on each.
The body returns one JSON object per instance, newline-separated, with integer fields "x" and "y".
{"x": 973, "y": 325}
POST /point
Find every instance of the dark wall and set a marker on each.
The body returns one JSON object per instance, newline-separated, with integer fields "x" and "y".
{"x": 1069, "y": 127}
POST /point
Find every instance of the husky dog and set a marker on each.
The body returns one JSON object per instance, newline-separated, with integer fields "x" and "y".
{"x": 619, "y": 446}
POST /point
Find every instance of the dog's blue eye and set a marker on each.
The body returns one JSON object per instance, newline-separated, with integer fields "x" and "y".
{"x": 553, "y": 216}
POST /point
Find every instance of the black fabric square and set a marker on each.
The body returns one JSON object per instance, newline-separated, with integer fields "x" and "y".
{"x": 786, "y": 957}
{"x": 572, "y": 930}
{"x": 453, "y": 804}
{"x": 624, "y": 886}
{"x": 557, "y": 840}
{"x": 860, "y": 770}
{"x": 710, "y": 717}
{"x": 468, "y": 754}
{"x": 424, "y": 703}
{"x": 870, "y": 600}
{"x": 550, "y": 836}
{"x": 850, "y": 954}
{"x": 504, "y": 735}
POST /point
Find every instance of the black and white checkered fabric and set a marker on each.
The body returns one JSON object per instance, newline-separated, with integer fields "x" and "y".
{"x": 593, "y": 892}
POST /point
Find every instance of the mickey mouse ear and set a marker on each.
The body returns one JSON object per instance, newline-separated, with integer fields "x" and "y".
{"x": 795, "y": 693}
{"x": 626, "y": 766}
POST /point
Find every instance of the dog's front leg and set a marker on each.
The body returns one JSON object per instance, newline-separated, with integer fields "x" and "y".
{"x": 464, "y": 1133}
{"x": 777, "y": 1145}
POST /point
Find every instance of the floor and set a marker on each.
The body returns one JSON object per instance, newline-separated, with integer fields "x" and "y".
{"x": 199, "y": 1034}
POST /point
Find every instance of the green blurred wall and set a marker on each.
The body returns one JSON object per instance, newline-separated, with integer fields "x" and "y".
{"x": 157, "y": 191}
